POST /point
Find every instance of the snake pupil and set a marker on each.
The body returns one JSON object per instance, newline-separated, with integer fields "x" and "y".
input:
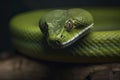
{"x": 69, "y": 25}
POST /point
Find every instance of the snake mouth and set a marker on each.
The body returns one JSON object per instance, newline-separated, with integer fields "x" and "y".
{"x": 56, "y": 44}
{"x": 78, "y": 36}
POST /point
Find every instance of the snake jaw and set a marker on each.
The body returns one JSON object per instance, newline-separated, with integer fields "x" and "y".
{"x": 78, "y": 36}
{"x": 57, "y": 43}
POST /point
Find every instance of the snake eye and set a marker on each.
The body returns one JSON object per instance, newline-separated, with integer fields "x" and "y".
{"x": 69, "y": 25}
{"x": 44, "y": 28}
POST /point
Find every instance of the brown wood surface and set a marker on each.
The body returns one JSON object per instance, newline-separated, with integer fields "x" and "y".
{"x": 14, "y": 66}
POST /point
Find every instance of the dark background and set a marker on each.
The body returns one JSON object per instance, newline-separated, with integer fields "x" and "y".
{"x": 9, "y": 8}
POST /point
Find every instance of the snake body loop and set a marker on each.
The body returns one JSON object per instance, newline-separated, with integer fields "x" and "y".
{"x": 102, "y": 42}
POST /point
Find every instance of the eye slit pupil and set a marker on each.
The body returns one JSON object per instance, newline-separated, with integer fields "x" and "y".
{"x": 69, "y": 25}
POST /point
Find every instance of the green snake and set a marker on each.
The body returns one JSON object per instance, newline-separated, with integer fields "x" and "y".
{"x": 67, "y": 35}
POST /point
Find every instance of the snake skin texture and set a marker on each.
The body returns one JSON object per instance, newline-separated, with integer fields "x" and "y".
{"x": 99, "y": 44}
{"x": 102, "y": 41}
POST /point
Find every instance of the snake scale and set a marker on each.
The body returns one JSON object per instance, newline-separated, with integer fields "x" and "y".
{"x": 68, "y": 35}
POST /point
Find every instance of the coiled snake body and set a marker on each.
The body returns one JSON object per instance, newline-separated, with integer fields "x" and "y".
{"x": 64, "y": 35}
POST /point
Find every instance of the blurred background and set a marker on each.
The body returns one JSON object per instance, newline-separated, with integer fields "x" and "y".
{"x": 9, "y": 8}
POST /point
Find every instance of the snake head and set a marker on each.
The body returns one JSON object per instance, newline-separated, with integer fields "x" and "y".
{"x": 63, "y": 27}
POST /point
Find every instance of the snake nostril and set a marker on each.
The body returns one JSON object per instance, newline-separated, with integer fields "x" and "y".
{"x": 61, "y": 36}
